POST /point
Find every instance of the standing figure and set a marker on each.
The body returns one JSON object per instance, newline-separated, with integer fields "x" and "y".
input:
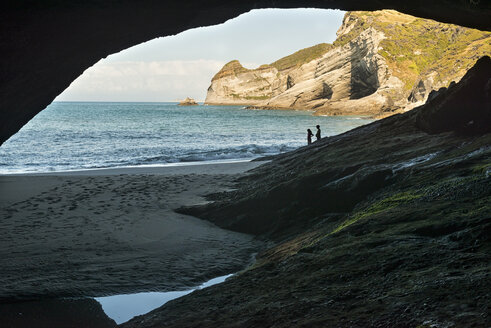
{"x": 318, "y": 133}
{"x": 309, "y": 136}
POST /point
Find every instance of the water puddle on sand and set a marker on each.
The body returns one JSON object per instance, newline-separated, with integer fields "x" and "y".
{"x": 122, "y": 308}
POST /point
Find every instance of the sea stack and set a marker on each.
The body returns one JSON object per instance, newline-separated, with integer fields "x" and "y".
{"x": 188, "y": 102}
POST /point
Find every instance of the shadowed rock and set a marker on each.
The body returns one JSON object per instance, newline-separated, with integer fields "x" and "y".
{"x": 55, "y": 313}
{"x": 382, "y": 226}
{"x": 464, "y": 107}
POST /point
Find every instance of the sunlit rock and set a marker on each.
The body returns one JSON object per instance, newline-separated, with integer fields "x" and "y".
{"x": 382, "y": 63}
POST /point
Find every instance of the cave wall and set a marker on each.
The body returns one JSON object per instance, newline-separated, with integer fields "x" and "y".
{"x": 45, "y": 45}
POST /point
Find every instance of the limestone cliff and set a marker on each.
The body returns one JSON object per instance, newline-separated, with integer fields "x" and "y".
{"x": 381, "y": 63}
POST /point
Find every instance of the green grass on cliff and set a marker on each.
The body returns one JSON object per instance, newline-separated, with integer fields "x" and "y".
{"x": 264, "y": 97}
{"x": 294, "y": 60}
{"x": 415, "y": 46}
{"x": 302, "y": 56}
{"x": 233, "y": 67}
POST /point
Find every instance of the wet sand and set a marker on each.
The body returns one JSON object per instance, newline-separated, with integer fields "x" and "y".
{"x": 114, "y": 231}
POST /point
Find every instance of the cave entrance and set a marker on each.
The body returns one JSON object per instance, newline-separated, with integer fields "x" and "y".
{"x": 339, "y": 65}
{"x": 123, "y": 111}
{"x": 92, "y": 225}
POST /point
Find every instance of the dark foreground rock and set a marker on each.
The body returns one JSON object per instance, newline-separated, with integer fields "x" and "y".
{"x": 384, "y": 226}
{"x": 55, "y": 313}
{"x": 464, "y": 107}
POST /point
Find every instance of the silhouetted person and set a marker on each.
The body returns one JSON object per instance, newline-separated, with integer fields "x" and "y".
{"x": 318, "y": 133}
{"x": 309, "y": 136}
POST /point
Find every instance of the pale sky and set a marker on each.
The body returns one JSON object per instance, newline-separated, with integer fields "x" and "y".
{"x": 180, "y": 66}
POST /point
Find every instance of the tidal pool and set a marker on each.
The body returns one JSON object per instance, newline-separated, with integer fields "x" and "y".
{"x": 122, "y": 308}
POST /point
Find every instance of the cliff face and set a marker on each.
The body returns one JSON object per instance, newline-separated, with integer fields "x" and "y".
{"x": 381, "y": 63}
{"x": 234, "y": 84}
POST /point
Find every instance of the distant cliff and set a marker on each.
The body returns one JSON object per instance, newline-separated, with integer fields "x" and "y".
{"x": 381, "y": 63}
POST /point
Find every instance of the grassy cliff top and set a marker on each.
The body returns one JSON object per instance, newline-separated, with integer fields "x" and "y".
{"x": 296, "y": 59}
{"x": 415, "y": 46}
{"x": 233, "y": 67}
{"x": 302, "y": 56}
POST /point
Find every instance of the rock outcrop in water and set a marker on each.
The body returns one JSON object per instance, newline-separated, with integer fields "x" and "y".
{"x": 386, "y": 225}
{"x": 382, "y": 63}
{"x": 188, "y": 102}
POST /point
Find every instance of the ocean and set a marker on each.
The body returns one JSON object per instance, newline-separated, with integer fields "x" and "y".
{"x": 86, "y": 135}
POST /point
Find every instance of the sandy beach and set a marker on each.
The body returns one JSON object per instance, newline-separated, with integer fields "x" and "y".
{"x": 114, "y": 231}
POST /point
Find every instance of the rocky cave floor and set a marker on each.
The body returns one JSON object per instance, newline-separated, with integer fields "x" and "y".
{"x": 383, "y": 226}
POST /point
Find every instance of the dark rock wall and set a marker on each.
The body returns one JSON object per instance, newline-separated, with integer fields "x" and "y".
{"x": 55, "y": 313}
{"x": 46, "y": 45}
{"x": 464, "y": 107}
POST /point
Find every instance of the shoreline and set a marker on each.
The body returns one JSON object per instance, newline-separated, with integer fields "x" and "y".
{"x": 115, "y": 231}
{"x": 230, "y": 166}
{"x": 314, "y": 111}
